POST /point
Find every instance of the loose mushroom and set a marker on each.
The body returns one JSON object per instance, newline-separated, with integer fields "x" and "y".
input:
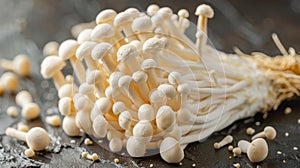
{"x": 30, "y": 110}
{"x": 53, "y": 120}
{"x": 92, "y": 157}
{"x": 226, "y": 140}
{"x": 257, "y": 150}
{"x": 9, "y": 82}
{"x": 51, "y": 68}
{"x": 236, "y": 151}
{"x": 29, "y": 153}
{"x": 36, "y": 138}
{"x": 20, "y": 65}
{"x": 269, "y": 133}
{"x": 12, "y": 111}
{"x": 22, "y": 127}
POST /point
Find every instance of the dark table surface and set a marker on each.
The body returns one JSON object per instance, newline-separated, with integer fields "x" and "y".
{"x": 27, "y": 25}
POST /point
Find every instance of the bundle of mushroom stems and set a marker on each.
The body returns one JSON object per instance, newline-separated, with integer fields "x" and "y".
{"x": 142, "y": 83}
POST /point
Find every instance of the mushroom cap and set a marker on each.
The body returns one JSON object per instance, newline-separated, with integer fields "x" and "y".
{"x": 243, "y": 144}
{"x": 153, "y": 44}
{"x": 114, "y": 78}
{"x": 133, "y": 11}
{"x": 148, "y": 64}
{"x": 152, "y": 9}
{"x": 126, "y": 51}
{"x": 23, "y": 97}
{"x": 125, "y": 82}
{"x": 146, "y": 112}
{"x": 118, "y": 107}
{"x": 67, "y": 90}
{"x": 51, "y": 65}
{"x": 257, "y": 150}
{"x": 82, "y": 102}
{"x": 165, "y": 118}
{"x": 142, "y": 24}
{"x": 103, "y": 105}
{"x": 136, "y": 43}
{"x": 183, "y": 13}
{"x": 122, "y": 18}
{"x": 22, "y": 65}
{"x": 67, "y": 49}
{"x": 171, "y": 151}
{"x": 101, "y": 50}
{"x": 65, "y": 105}
{"x": 86, "y": 88}
{"x": 135, "y": 148}
{"x": 51, "y": 48}
{"x": 174, "y": 78}
{"x": 115, "y": 144}
{"x": 30, "y": 111}
{"x": 143, "y": 131}
{"x": 185, "y": 116}
{"x": 205, "y": 10}
{"x": 105, "y": 16}
{"x": 69, "y": 126}
{"x": 168, "y": 90}
{"x": 37, "y": 138}
{"x": 270, "y": 132}
{"x": 10, "y": 81}
{"x": 85, "y": 35}
{"x": 102, "y": 31}
{"x": 139, "y": 76}
{"x": 100, "y": 126}
{"x": 85, "y": 49}
{"x": 165, "y": 12}
{"x": 125, "y": 120}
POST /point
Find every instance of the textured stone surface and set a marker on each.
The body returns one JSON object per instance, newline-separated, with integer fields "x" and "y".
{"x": 27, "y": 25}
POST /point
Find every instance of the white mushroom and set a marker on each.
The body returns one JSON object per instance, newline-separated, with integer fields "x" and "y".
{"x": 226, "y": 140}
{"x": 128, "y": 54}
{"x": 269, "y": 133}
{"x": 143, "y": 131}
{"x": 93, "y": 157}
{"x": 143, "y": 27}
{"x": 67, "y": 51}
{"x": 140, "y": 78}
{"x": 102, "y": 106}
{"x": 146, "y": 112}
{"x": 69, "y": 126}
{"x": 36, "y": 138}
{"x": 135, "y": 148}
{"x": 51, "y": 48}
{"x": 115, "y": 144}
{"x": 171, "y": 151}
{"x": 98, "y": 79}
{"x": 152, "y": 9}
{"x": 122, "y": 22}
{"x": 257, "y": 150}
{"x": 20, "y": 65}
{"x": 51, "y": 68}
{"x": 53, "y": 120}
{"x": 106, "y": 16}
{"x": 85, "y": 35}
{"x": 84, "y": 52}
{"x": 9, "y": 82}
{"x": 165, "y": 118}
{"x": 125, "y": 120}
{"x": 100, "y": 126}
{"x": 12, "y": 111}
{"x": 30, "y": 110}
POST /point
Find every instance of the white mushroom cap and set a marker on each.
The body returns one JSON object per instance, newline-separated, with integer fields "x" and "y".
{"x": 183, "y": 13}
{"x": 86, "y": 89}
{"x": 51, "y": 65}
{"x": 30, "y": 111}
{"x": 22, "y": 65}
{"x": 258, "y": 150}
{"x": 114, "y": 78}
{"x": 148, "y": 64}
{"x": 122, "y": 18}
{"x": 146, "y": 112}
{"x": 143, "y": 131}
{"x": 100, "y": 126}
{"x": 51, "y": 48}
{"x": 243, "y": 144}
{"x": 82, "y": 102}
{"x": 9, "y": 81}
{"x": 23, "y": 97}
{"x": 205, "y": 10}
{"x": 126, "y": 51}
{"x": 102, "y": 49}
{"x": 175, "y": 78}
{"x": 125, "y": 120}
{"x": 95, "y": 76}
{"x": 142, "y": 24}
{"x": 135, "y": 148}
{"x": 171, "y": 151}
{"x": 84, "y": 36}
{"x": 165, "y": 118}
{"x": 105, "y": 16}
{"x": 67, "y": 90}
{"x": 153, "y": 44}
{"x": 168, "y": 90}
{"x": 69, "y": 126}
{"x": 115, "y": 144}
{"x": 65, "y": 105}
{"x": 184, "y": 115}
{"x": 133, "y": 11}
{"x": 118, "y": 107}
{"x": 85, "y": 49}
{"x": 67, "y": 49}
{"x": 37, "y": 138}
{"x": 137, "y": 44}
{"x": 102, "y": 31}
{"x": 102, "y": 106}
{"x": 152, "y": 9}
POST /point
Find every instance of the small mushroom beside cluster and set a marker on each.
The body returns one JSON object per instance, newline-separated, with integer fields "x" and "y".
{"x": 145, "y": 85}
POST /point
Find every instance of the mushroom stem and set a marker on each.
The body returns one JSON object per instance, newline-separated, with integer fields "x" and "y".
{"x": 59, "y": 80}
{"x": 78, "y": 69}
{"x": 11, "y": 132}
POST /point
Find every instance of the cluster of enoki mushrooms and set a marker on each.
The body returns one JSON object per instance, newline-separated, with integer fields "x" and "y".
{"x": 142, "y": 83}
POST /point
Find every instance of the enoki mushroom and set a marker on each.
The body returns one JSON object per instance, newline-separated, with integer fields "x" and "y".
{"x": 145, "y": 85}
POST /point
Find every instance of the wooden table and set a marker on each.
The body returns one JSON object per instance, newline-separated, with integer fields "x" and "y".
{"x": 27, "y": 25}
